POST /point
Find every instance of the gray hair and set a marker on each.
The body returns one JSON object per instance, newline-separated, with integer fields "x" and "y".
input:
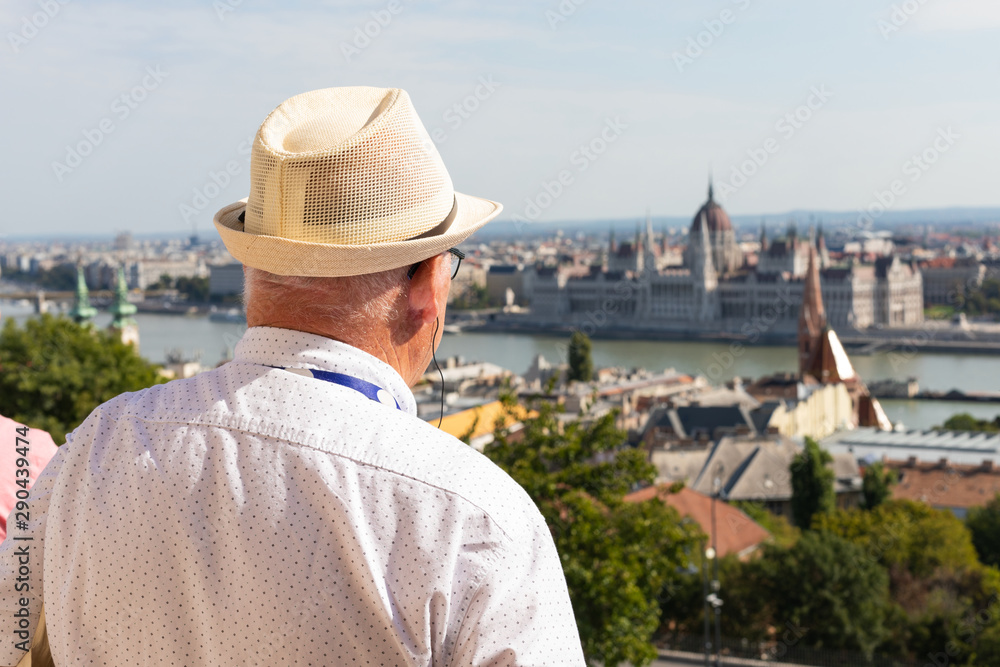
{"x": 350, "y": 303}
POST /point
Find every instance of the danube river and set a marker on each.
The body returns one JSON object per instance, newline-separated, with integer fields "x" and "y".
{"x": 941, "y": 372}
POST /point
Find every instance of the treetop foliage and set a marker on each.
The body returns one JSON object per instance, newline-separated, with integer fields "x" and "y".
{"x": 54, "y": 372}
{"x": 905, "y": 534}
{"x": 984, "y": 524}
{"x": 618, "y": 557}
{"x": 963, "y": 421}
{"x": 812, "y": 484}
{"x": 581, "y": 366}
{"x": 876, "y": 484}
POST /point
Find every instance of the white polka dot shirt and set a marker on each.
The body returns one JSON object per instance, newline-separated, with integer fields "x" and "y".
{"x": 258, "y": 516}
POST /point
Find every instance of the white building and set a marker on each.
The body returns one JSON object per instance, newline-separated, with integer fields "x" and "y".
{"x": 757, "y": 301}
{"x": 225, "y": 279}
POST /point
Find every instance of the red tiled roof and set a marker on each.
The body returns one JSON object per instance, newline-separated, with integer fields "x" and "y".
{"x": 938, "y": 263}
{"x": 736, "y": 532}
{"x": 946, "y": 485}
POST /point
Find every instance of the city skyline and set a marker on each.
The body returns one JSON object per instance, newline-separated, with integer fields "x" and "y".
{"x": 588, "y": 111}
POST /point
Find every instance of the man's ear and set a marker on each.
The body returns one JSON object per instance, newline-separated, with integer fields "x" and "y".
{"x": 431, "y": 279}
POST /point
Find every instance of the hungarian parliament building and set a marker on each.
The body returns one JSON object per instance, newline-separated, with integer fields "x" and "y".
{"x": 718, "y": 290}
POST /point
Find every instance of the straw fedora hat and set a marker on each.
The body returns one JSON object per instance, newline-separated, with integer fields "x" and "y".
{"x": 343, "y": 182}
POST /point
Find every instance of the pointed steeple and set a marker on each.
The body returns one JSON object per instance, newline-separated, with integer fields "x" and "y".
{"x": 705, "y": 278}
{"x": 704, "y": 267}
{"x": 121, "y": 309}
{"x": 649, "y": 229}
{"x": 821, "y": 249}
{"x": 812, "y": 320}
{"x": 763, "y": 238}
{"x": 711, "y": 190}
{"x": 612, "y": 245}
{"x": 122, "y": 323}
{"x": 793, "y": 231}
{"x": 82, "y": 311}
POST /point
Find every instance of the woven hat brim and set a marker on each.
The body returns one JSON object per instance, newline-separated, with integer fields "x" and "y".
{"x": 287, "y": 257}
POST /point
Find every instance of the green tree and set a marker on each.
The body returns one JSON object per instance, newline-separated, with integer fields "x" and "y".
{"x": 782, "y": 532}
{"x": 824, "y": 588}
{"x": 60, "y": 278}
{"x": 981, "y": 300}
{"x": 54, "y": 372}
{"x": 164, "y": 282}
{"x": 963, "y": 421}
{"x": 743, "y": 614}
{"x": 194, "y": 288}
{"x": 876, "y": 485}
{"x": 618, "y": 557}
{"x": 984, "y": 525}
{"x": 581, "y": 366}
{"x": 474, "y": 297}
{"x": 906, "y": 536}
{"x": 950, "y": 617}
{"x": 812, "y": 484}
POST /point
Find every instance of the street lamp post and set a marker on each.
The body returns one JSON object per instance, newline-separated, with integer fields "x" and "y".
{"x": 704, "y": 581}
{"x": 716, "y": 600}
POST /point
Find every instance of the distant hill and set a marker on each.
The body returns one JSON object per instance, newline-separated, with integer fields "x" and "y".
{"x": 504, "y": 227}
{"x": 938, "y": 217}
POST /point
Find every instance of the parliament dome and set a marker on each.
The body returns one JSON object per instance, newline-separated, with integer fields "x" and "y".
{"x": 716, "y": 218}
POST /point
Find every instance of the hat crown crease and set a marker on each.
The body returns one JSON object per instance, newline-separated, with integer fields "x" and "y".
{"x": 362, "y": 170}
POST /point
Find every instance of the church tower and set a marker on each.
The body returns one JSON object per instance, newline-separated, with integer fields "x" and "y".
{"x": 123, "y": 325}
{"x": 649, "y": 247}
{"x": 706, "y": 280}
{"x": 82, "y": 312}
{"x": 821, "y": 250}
{"x": 812, "y": 322}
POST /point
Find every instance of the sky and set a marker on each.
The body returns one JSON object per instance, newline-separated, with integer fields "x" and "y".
{"x": 137, "y": 116}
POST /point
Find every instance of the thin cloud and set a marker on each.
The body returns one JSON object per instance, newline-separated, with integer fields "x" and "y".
{"x": 958, "y": 15}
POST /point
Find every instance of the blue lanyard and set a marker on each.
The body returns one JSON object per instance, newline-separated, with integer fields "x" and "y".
{"x": 369, "y": 389}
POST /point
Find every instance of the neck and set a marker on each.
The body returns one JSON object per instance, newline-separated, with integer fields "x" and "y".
{"x": 407, "y": 355}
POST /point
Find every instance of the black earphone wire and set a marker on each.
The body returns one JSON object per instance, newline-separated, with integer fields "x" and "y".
{"x": 437, "y": 323}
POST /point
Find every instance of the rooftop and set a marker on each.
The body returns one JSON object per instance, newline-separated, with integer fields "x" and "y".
{"x": 961, "y": 447}
{"x": 735, "y": 531}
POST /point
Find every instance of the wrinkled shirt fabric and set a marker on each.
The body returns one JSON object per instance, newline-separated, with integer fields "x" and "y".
{"x": 254, "y": 516}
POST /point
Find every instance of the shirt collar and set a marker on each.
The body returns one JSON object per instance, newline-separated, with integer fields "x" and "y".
{"x": 287, "y": 348}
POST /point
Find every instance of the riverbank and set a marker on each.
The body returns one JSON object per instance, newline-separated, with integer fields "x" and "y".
{"x": 932, "y": 336}
{"x": 717, "y": 360}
